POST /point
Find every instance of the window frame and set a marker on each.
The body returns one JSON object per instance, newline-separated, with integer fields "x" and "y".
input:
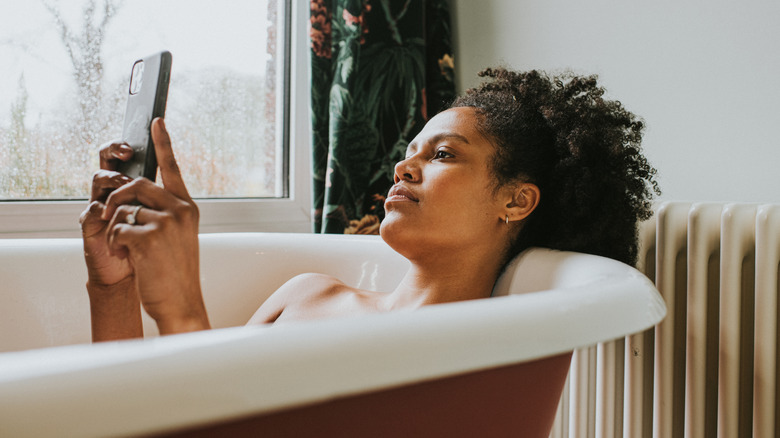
{"x": 51, "y": 218}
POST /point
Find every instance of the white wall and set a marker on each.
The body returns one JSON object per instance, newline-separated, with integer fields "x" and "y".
{"x": 705, "y": 76}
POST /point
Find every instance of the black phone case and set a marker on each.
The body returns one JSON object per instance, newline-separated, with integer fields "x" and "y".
{"x": 142, "y": 107}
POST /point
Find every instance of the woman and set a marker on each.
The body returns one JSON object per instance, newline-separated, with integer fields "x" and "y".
{"x": 523, "y": 160}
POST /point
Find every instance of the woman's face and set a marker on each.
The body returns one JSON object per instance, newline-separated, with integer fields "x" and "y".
{"x": 444, "y": 189}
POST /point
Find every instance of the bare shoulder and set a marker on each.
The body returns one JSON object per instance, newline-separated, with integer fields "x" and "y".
{"x": 313, "y": 280}
{"x": 307, "y": 287}
{"x": 299, "y": 297}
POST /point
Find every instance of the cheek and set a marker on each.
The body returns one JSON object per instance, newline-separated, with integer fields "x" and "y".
{"x": 468, "y": 209}
{"x": 464, "y": 192}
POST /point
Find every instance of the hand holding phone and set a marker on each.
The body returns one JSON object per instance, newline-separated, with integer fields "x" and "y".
{"x": 146, "y": 99}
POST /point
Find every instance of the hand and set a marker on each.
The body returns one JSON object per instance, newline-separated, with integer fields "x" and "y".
{"x": 104, "y": 270}
{"x": 162, "y": 244}
{"x": 114, "y": 304}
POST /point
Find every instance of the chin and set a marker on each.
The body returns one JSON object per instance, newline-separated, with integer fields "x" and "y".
{"x": 394, "y": 232}
{"x": 385, "y": 228}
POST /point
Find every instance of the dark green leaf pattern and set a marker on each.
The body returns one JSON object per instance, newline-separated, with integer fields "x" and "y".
{"x": 379, "y": 69}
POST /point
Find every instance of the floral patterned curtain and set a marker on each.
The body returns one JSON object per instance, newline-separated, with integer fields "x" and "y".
{"x": 380, "y": 68}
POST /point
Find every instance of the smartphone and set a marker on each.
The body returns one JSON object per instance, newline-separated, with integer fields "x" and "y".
{"x": 147, "y": 95}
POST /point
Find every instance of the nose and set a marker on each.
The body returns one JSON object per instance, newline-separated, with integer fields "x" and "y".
{"x": 405, "y": 170}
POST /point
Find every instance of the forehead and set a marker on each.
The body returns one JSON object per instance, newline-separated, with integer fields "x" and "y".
{"x": 461, "y": 121}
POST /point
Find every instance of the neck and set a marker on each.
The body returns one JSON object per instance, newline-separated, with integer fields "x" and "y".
{"x": 440, "y": 279}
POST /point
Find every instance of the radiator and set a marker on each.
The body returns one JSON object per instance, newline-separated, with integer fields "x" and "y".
{"x": 710, "y": 369}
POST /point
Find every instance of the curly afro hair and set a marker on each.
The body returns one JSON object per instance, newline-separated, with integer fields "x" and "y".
{"x": 581, "y": 150}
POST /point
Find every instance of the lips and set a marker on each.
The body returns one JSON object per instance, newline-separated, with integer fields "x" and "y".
{"x": 400, "y": 193}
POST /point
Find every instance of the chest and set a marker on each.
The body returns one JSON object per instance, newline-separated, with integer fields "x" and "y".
{"x": 337, "y": 302}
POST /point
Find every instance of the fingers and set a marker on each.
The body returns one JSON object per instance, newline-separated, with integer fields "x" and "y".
{"x": 90, "y": 221}
{"x": 169, "y": 169}
{"x": 106, "y": 181}
{"x": 120, "y": 237}
{"x": 124, "y": 236}
{"x": 155, "y": 198}
{"x": 142, "y": 191}
{"x": 112, "y": 153}
{"x": 135, "y": 215}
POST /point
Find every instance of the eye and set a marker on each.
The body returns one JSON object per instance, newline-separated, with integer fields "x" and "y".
{"x": 441, "y": 153}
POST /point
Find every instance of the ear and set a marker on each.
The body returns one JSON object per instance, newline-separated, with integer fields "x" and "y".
{"x": 524, "y": 198}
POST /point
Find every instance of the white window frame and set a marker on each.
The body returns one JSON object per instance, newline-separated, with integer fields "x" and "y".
{"x": 21, "y": 219}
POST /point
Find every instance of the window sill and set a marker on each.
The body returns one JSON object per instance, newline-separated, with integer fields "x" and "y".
{"x": 60, "y": 218}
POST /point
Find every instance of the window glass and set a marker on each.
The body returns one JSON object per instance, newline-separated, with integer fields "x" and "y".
{"x": 66, "y": 69}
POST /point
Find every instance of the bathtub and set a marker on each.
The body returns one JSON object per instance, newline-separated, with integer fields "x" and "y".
{"x": 492, "y": 367}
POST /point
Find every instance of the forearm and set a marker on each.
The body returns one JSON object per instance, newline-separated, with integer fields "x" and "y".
{"x": 196, "y": 322}
{"x": 115, "y": 311}
{"x": 185, "y": 316}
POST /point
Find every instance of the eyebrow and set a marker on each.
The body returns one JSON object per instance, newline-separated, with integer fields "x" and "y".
{"x": 439, "y": 137}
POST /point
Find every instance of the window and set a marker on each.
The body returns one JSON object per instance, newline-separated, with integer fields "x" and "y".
{"x": 66, "y": 67}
